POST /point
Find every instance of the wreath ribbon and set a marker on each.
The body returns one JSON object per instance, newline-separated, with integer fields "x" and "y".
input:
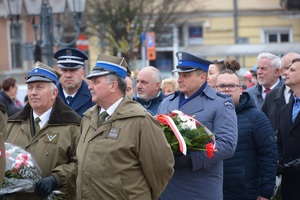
{"x": 170, "y": 122}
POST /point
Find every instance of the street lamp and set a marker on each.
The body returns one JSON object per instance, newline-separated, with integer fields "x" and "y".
{"x": 46, "y": 34}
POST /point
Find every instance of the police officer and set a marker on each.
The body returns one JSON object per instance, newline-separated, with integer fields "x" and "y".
{"x": 72, "y": 89}
{"x": 49, "y": 130}
{"x": 196, "y": 176}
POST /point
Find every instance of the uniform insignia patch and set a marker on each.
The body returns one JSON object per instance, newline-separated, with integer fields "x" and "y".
{"x": 113, "y": 133}
{"x": 51, "y": 138}
{"x": 228, "y": 103}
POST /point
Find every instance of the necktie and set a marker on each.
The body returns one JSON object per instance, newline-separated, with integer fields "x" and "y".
{"x": 296, "y": 109}
{"x": 267, "y": 90}
{"x": 70, "y": 100}
{"x": 103, "y": 117}
{"x": 36, "y": 124}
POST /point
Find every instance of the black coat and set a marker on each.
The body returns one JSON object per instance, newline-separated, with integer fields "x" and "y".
{"x": 82, "y": 100}
{"x": 273, "y": 102}
{"x": 251, "y": 172}
{"x": 11, "y": 107}
{"x": 289, "y": 149}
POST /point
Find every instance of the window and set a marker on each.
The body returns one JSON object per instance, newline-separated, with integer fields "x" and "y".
{"x": 16, "y": 48}
{"x": 277, "y": 35}
{"x": 195, "y": 35}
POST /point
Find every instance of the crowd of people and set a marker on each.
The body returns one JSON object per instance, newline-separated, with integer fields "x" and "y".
{"x": 97, "y": 137}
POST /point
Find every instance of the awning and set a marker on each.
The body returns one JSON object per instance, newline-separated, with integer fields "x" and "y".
{"x": 242, "y": 49}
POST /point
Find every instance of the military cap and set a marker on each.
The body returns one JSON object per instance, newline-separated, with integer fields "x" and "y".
{"x": 2, "y": 160}
{"x": 42, "y": 72}
{"x": 70, "y": 58}
{"x": 189, "y": 62}
{"x": 109, "y": 65}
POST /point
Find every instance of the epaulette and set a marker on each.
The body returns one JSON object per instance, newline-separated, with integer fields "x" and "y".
{"x": 222, "y": 95}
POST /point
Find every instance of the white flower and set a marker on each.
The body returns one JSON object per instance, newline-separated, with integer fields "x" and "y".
{"x": 186, "y": 122}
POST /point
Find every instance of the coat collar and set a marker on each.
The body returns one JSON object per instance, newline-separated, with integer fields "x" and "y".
{"x": 61, "y": 114}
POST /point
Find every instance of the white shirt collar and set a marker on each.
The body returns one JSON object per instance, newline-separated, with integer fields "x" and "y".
{"x": 112, "y": 108}
{"x": 44, "y": 117}
{"x": 273, "y": 86}
{"x": 66, "y": 95}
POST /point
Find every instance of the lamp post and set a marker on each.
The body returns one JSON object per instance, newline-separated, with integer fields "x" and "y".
{"x": 46, "y": 34}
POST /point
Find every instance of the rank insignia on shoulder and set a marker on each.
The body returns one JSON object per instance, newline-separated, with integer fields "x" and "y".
{"x": 228, "y": 103}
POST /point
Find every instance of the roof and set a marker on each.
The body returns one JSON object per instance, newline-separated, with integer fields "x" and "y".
{"x": 242, "y": 49}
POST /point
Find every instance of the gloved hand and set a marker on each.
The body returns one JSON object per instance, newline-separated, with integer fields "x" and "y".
{"x": 45, "y": 186}
{"x": 280, "y": 169}
{"x": 295, "y": 164}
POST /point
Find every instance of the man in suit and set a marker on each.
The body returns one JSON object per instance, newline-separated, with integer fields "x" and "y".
{"x": 289, "y": 137}
{"x": 279, "y": 96}
{"x": 268, "y": 76}
{"x": 72, "y": 89}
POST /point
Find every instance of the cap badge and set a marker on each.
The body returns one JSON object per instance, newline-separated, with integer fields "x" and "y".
{"x": 36, "y": 71}
{"x": 69, "y": 52}
{"x": 180, "y": 56}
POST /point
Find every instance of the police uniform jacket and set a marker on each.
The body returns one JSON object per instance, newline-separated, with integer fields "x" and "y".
{"x": 53, "y": 148}
{"x": 201, "y": 177}
{"x": 82, "y": 101}
{"x": 128, "y": 157}
{"x": 289, "y": 149}
{"x": 256, "y": 91}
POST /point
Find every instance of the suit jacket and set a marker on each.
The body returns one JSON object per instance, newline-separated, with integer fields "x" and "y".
{"x": 288, "y": 150}
{"x": 256, "y": 91}
{"x": 82, "y": 101}
{"x": 272, "y": 104}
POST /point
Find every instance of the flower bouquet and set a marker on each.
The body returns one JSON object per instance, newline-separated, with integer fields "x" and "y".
{"x": 21, "y": 173}
{"x": 184, "y": 132}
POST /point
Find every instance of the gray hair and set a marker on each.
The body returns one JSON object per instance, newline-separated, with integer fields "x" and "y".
{"x": 121, "y": 81}
{"x": 275, "y": 60}
{"x": 52, "y": 86}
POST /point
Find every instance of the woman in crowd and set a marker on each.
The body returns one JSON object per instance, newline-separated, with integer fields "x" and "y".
{"x": 8, "y": 96}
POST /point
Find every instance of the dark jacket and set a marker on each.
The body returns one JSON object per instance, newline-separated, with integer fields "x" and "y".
{"x": 82, "y": 101}
{"x": 11, "y": 107}
{"x": 153, "y": 104}
{"x": 251, "y": 171}
{"x": 289, "y": 150}
{"x": 256, "y": 92}
{"x": 272, "y": 104}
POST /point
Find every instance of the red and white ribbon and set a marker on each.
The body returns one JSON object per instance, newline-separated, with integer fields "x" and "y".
{"x": 181, "y": 142}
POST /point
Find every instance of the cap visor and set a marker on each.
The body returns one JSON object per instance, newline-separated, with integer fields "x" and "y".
{"x": 69, "y": 66}
{"x": 182, "y": 70}
{"x": 96, "y": 74}
{"x": 38, "y": 78}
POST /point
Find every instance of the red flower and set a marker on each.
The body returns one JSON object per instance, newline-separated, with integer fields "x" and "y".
{"x": 210, "y": 150}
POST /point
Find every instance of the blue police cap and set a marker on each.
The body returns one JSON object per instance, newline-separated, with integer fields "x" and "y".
{"x": 189, "y": 62}
{"x": 109, "y": 65}
{"x": 42, "y": 72}
{"x": 70, "y": 58}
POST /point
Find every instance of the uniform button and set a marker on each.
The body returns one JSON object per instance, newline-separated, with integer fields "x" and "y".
{"x": 82, "y": 169}
{"x": 90, "y": 141}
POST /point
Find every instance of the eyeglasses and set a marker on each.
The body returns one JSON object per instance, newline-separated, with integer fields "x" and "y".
{"x": 296, "y": 60}
{"x": 231, "y": 87}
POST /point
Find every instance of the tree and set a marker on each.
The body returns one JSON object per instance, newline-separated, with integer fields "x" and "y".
{"x": 119, "y": 23}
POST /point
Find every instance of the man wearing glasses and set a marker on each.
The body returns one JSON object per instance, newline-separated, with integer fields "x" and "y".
{"x": 251, "y": 172}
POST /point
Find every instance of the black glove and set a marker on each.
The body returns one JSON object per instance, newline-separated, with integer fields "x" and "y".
{"x": 45, "y": 186}
{"x": 280, "y": 169}
{"x": 295, "y": 164}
